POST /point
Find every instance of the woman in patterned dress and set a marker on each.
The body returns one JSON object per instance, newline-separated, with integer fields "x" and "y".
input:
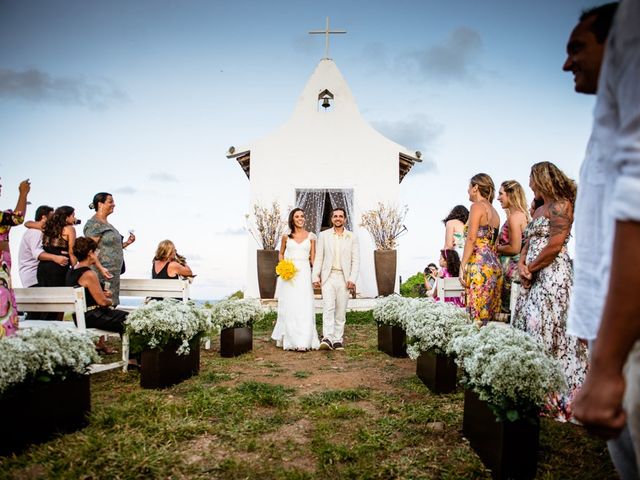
{"x": 454, "y": 229}
{"x": 8, "y": 219}
{"x": 109, "y": 242}
{"x": 513, "y": 200}
{"x": 546, "y": 275}
{"x": 480, "y": 270}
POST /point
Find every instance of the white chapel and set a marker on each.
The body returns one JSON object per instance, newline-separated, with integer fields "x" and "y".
{"x": 326, "y": 155}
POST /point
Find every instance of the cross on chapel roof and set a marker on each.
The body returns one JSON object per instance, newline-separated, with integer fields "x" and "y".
{"x": 326, "y": 32}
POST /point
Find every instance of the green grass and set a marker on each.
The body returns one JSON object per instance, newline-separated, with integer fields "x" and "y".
{"x": 304, "y": 421}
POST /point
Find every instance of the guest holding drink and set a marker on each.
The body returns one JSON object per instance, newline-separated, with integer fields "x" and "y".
{"x": 514, "y": 202}
{"x": 480, "y": 269}
{"x": 8, "y": 219}
{"x": 109, "y": 241}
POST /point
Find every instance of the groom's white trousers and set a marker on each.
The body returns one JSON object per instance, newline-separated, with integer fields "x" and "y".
{"x": 334, "y": 306}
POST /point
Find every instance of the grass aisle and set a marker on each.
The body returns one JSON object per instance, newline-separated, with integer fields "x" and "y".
{"x": 289, "y": 415}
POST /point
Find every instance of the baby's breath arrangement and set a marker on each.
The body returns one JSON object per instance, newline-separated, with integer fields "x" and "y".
{"x": 385, "y": 224}
{"x": 159, "y": 323}
{"x": 388, "y": 310}
{"x": 508, "y": 369}
{"x": 34, "y": 355}
{"x": 234, "y": 313}
{"x": 431, "y": 326}
{"x": 266, "y": 226}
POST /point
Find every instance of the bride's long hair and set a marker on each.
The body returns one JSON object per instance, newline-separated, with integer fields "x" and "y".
{"x": 292, "y": 227}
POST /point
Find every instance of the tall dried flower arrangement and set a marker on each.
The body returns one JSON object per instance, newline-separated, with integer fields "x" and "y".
{"x": 385, "y": 224}
{"x": 266, "y": 226}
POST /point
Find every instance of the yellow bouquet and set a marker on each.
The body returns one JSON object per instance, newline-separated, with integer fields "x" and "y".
{"x": 286, "y": 269}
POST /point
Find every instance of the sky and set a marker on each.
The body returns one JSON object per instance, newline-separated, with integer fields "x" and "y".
{"x": 143, "y": 98}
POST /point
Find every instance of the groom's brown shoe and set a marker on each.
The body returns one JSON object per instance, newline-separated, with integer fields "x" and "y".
{"x": 325, "y": 344}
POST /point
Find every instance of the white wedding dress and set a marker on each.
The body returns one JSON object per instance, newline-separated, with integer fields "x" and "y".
{"x": 296, "y": 325}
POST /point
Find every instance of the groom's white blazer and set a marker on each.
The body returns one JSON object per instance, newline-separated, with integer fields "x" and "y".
{"x": 349, "y": 256}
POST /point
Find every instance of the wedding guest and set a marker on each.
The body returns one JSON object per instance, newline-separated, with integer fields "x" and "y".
{"x": 546, "y": 275}
{"x": 454, "y": 228}
{"x": 31, "y": 253}
{"x": 609, "y": 402}
{"x": 8, "y": 219}
{"x": 109, "y": 241}
{"x": 99, "y": 312}
{"x": 514, "y": 202}
{"x": 430, "y": 278}
{"x": 168, "y": 264}
{"x": 58, "y": 238}
{"x": 480, "y": 269}
{"x": 449, "y": 267}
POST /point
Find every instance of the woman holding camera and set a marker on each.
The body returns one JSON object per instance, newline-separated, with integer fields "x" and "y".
{"x": 168, "y": 263}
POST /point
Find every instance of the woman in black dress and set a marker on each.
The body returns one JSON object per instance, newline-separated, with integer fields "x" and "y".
{"x": 58, "y": 238}
{"x": 167, "y": 263}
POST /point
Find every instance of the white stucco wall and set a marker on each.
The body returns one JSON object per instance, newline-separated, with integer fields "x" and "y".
{"x": 325, "y": 149}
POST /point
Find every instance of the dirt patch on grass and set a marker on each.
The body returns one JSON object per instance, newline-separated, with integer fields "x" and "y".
{"x": 315, "y": 371}
{"x": 299, "y": 432}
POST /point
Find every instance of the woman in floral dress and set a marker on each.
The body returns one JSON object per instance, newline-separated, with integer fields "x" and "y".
{"x": 546, "y": 275}
{"x": 481, "y": 273}
{"x": 8, "y": 219}
{"x": 513, "y": 200}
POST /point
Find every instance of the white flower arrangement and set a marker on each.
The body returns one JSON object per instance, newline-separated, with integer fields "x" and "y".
{"x": 431, "y": 326}
{"x": 387, "y": 310}
{"x": 508, "y": 369}
{"x": 159, "y": 323}
{"x": 34, "y": 354}
{"x": 234, "y": 313}
{"x": 385, "y": 224}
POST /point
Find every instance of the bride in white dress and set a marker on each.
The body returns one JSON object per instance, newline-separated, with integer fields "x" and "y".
{"x": 296, "y": 325}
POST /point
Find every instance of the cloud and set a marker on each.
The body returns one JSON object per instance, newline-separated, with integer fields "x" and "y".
{"x": 452, "y": 60}
{"x": 127, "y": 190}
{"x": 233, "y": 231}
{"x": 37, "y": 86}
{"x": 163, "y": 177}
{"x": 416, "y": 132}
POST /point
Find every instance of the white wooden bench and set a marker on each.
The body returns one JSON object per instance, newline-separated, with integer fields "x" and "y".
{"x": 155, "y": 287}
{"x": 159, "y": 288}
{"x": 449, "y": 287}
{"x": 67, "y": 300}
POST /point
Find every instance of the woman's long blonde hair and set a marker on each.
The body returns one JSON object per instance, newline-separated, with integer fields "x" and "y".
{"x": 165, "y": 247}
{"x": 517, "y": 198}
{"x": 486, "y": 187}
{"x": 551, "y": 182}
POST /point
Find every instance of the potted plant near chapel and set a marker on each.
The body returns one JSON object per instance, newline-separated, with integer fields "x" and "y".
{"x": 387, "y": 313}
{"x": 267, "y": 228}
{"x": 431, "y": 327}
{"x": 167, "y": 334}
{"x": 234, "y": 318}
{"x": 507, "y": 376}
{"x": 385, "y": 224}
{"x": 44, "y": 385}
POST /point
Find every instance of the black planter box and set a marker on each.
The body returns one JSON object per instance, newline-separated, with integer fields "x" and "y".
{"x": 392, "y": 340}
{"x": 508, "y": 449}
{"x": 163, "y": 368}
{"x": 36, "y": 413}
{"x": 235, "y": 341}
{"x": 437, "y": 372}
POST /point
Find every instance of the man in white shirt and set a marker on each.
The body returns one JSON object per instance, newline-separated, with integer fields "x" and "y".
{"x": 335, "y": 269}
{"x": 610, "y": 396}
{"x": 31, "y": 251}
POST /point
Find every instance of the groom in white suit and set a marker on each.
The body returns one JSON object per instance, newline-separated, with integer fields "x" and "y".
{"x": 335, "y": 269}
